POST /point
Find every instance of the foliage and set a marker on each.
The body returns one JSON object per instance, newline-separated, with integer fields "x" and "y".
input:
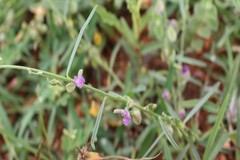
{"x": 171, "y": 65}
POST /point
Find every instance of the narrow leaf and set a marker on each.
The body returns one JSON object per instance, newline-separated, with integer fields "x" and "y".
{"x": 231, "y": 83}
{"x": 79, "y": 39}
{"x": 168, "y": 135}
{"x": 167, "y": 152}
{"x": 96, "y": 126}
{"x": 153, "y": 145}
{"x": 218, "y": 145}
{"x": 238, "y": 129}
{"x": 192, "y": 61}
{"x": 4, "y": 118}
{"x": 182, "y": 153}
{"x": 201, "y": 102}
{"x": 214, "y": 131}
{"x": 195, "y": 152}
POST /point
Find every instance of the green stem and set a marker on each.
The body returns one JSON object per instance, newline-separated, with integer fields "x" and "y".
{"x": 37, "y": 72}
{"x": 89, "y": 87}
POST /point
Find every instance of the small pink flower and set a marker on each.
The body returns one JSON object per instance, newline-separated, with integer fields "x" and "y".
{"x": 182, "y": 113}
{"x": 185, "y": 70}
{"x": 79, "y": 81}
{"x": 166, "y": 95}
{"x": 126, "y": 117}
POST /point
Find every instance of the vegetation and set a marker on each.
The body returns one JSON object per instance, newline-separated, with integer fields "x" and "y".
{"x": 142, "y": 79}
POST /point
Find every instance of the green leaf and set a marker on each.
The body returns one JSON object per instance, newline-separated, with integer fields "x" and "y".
{"x": 168, "y": 135}
{"x": 78, "y": 40}
{"x": 182, "y": 153}
{"x": 134, "y": 7}
{"x": 51, "y": 126}
{"x": 201, "y": 102}
{"x": 236, "y": 4}
{"x": 144, "y": 134}
{"x": 121, "y": 25}
{"x": 4, "y": 118}
{"x": 153, "y": 145}
{"x": 21, "y": 142}
{"x": 167, "y": 152}
{"x": 238, "y": 129}
{"x": 189, "y": 60}
{"x": 218, "y": 145}
{"x": 195, "y": 152}
{"x": 26, "y": 119}
{"x": 230, "y": 84}
{"x": 214, "y": 131}
{"x": 96, "y": 126}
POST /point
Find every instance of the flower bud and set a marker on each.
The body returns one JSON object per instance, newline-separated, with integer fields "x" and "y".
{"x": 117, "y": 111}
{"x": 171, "y": 33}
{"x": 166, "y": 95}
{"x": 151, "y": 106}
{"x": 170, "y": 129}
{"x": 182, "y": 113}
{"x": 137, "y": 118}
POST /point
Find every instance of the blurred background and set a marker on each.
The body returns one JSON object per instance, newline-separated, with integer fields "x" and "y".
{"x": 135, "y": 48}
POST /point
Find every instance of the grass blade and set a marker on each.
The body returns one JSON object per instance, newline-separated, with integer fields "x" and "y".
{"x": 167, "y": 151}
{"x": 195, "y": 152}
{"x": 236, "y": 3}
{"x": 201, "y": 102}
{"x": 183, "y": 153}
{"x": 153, "y": 145}
{"x": 215, "y": 129}
{"x": 192, "y": 61}
{"x": 4, "y": 118}
{"x": 232, "y": 77}
{"x": 238, "y": 129}
{"x": 96, "y": 126}
{"x": 114, "y": 54}
{"x": 79, "y": 39}
{"x": 27, "y": 117}
{"x": 168, "y": 135}
{"x": 222, "y": 138}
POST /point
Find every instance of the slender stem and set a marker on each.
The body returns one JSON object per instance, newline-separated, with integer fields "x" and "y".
{"x": 37, "y": 72}
{"x": 89, "y": 87}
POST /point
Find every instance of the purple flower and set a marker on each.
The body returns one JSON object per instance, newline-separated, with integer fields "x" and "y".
{"x": 185, "y": 70}
{"x": 126, "y": 117}
{"x": 182, "y": 113}
{"x": 166, "y": 95}
{"x": 79, "y": 81}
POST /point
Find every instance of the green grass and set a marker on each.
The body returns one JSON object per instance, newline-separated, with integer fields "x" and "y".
{"x": 130, "y": 55}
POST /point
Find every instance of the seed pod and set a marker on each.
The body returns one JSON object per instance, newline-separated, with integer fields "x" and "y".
{"x": 137, "y": 118}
